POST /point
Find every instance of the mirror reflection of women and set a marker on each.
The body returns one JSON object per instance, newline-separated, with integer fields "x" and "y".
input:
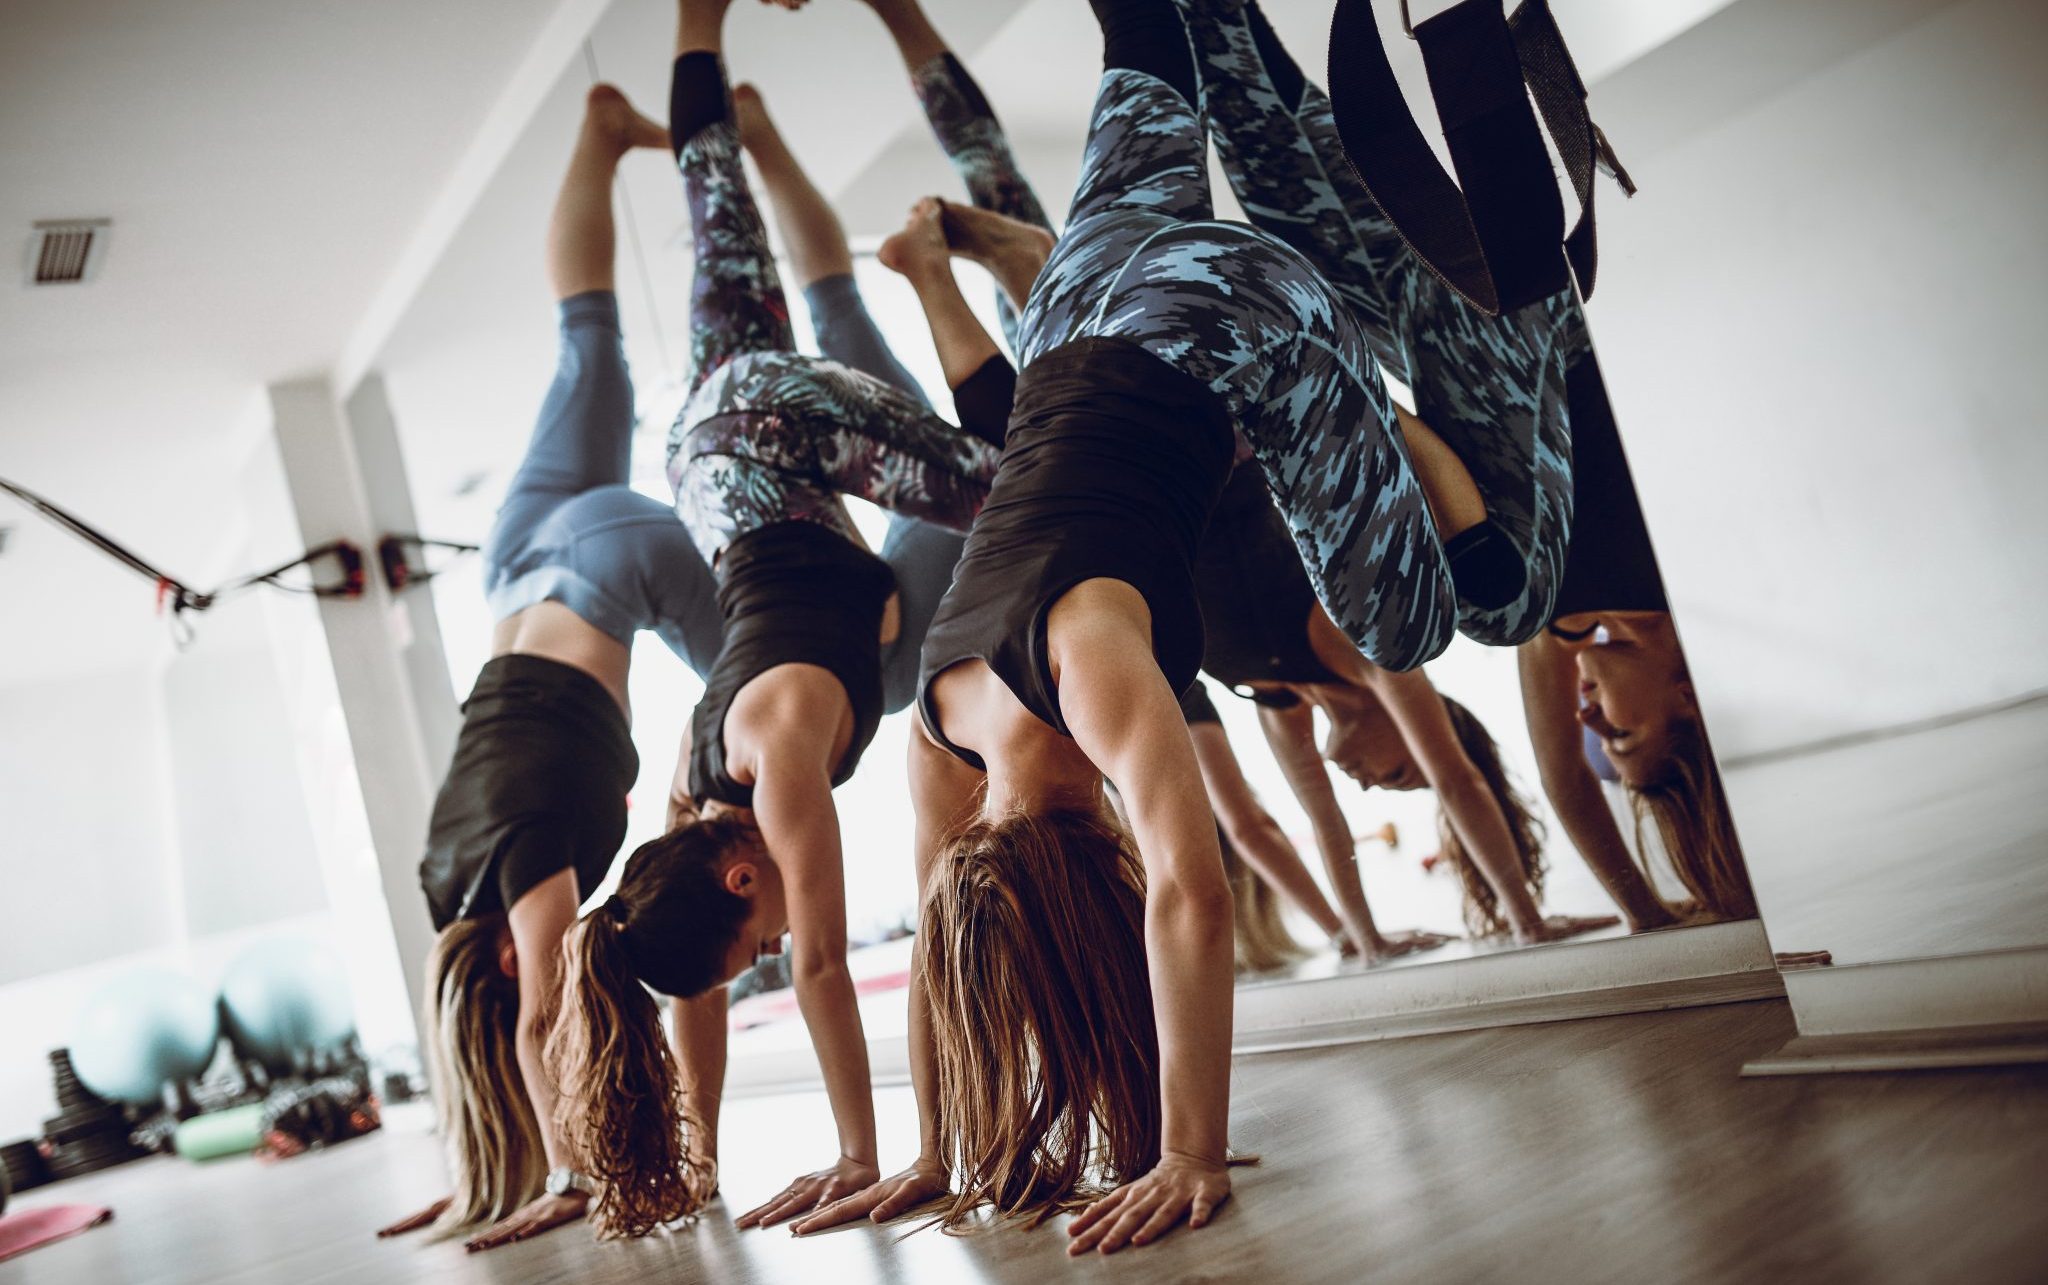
{"x": 1611, "y": 664}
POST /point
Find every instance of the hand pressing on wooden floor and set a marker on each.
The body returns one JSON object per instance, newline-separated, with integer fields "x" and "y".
{"x": 813, "y": 1191}
{"x": 413, "y": 1222}
{"x": 1140, "y": 1212}
{"x": 544, "y": 1213}
{"x": 898, "y": 1194}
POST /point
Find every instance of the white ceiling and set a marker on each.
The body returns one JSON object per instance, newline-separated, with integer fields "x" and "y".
{"x": 267, "y": 165}
{"x": 263, "y": 164}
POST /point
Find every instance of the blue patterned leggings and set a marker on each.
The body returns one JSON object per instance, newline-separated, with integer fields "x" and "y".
{"x": 1492, "y": 387}
{"x": 1143, "y": 259}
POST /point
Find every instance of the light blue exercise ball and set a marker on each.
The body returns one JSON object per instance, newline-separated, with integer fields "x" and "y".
{"x": 142, "y": 1031}
{"x": 284, "y": 999}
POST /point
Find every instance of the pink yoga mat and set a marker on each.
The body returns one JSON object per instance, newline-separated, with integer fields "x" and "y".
{"x": 33, "y": 1228}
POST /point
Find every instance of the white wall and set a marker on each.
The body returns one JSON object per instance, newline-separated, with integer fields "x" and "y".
{"x": 84, "y": 804}
{"x": 1822, "y": 325}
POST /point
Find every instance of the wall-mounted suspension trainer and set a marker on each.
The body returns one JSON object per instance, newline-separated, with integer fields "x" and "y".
{"x": 1498, "y": 239}
{"x": 335, "y": 568}
{"x": 403, "y": 558}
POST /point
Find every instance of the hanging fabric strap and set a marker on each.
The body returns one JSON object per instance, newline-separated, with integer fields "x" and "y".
{"x": 1498, "y": 239}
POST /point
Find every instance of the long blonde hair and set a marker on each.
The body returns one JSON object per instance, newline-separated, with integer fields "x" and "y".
{"x": 1483, "y": 915}
{"x": 1032, "y": 933}
{"x": 470, "y": 1012}
{"x": 619, "y": 1106}
{"x": 1263, "y": 941}
{"x": 1686, "y": 804}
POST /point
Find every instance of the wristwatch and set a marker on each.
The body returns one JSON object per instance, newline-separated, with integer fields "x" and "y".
{"x": 564, "y": 1180}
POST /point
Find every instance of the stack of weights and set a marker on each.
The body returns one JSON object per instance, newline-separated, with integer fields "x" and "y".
{"x": 88, "y": 1133}
{"x": 25, "y": 1165}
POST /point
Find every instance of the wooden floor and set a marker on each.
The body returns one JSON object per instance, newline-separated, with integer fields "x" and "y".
{"x": 1615, "y": 1149}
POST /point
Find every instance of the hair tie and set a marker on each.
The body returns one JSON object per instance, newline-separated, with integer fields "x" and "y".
{"x": 616, "y": 907}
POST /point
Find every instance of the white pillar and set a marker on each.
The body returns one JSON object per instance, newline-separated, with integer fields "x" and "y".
{"x": 373, "y": 432}
{"x": 367, "y": 640}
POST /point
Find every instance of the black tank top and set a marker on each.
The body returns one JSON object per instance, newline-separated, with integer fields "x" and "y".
{"x": 538, "y": 785}
{"x": 1255, "y": 594}
{"x": 1114, "y": 463}
{"x": 792, "y": 593}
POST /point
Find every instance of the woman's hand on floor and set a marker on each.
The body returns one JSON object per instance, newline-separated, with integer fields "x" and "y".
{"x": 811, "y": 1191}
{"x": 413, "y": 1222}
{"x": 544, "y": 1213}
{"x": 924, "y": 1181}
{"x": 1140, "y": 1212}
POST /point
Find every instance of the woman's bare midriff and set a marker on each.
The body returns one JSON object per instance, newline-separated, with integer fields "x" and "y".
{"x": 553, "y": 632}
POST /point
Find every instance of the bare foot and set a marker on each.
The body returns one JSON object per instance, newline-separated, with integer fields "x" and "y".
{"x": 1405, "y": 942}
{"x": 920, "y": 248}
{"x": 1013, "y": 251}
{"x": 607, "y": 113}
{"x": 1559, "y": 927}
{"x": 750, "y": 117}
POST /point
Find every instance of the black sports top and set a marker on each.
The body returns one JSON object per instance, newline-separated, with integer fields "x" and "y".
{"x": 792, "y": 593}
{"x": 1114, "y": 462}
{"x": 1610, "y": 565}
{"x": 538, "y": 785}
{"x": 1256, "y": 595}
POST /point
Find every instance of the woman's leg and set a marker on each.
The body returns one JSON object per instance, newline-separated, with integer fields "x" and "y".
{"x": 736, "y": 300}
{"x": 583, "y": 437}
{"x": 1145, "y": 170}
{"x": 775, "y": 436}
{"x": 1280, "y": 151}
{"x": 819, "y": 257}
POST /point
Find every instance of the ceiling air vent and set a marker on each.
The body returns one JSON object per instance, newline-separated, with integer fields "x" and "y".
{"x": 66, "y": 251}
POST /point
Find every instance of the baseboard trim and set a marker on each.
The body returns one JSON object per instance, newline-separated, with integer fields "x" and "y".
{"x": 1941, "y": 1048}
{"x": 1683, "y": 968}
{"x": 1992, "y": 989}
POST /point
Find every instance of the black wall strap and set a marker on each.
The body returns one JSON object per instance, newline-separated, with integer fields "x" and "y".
{"x": 1498, "y": 240}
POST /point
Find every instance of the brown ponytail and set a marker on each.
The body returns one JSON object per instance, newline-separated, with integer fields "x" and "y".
{"x": 1483, "y": 917}
{"x": 619, "y": 1108}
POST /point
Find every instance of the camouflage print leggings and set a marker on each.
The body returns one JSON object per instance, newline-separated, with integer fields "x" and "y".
{"x": 769, "y": 435}
{"x": 1492, "y": 387}
{"x": 1143, "y": 259}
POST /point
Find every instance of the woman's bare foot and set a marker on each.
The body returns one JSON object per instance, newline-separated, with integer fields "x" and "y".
{"x": 920, "y": 249}
{"x": 1559, "y": 927}
{"x": 1014, "y": 252}
{"x": 608, "y": 115}
{"x": 1404, "y": 942}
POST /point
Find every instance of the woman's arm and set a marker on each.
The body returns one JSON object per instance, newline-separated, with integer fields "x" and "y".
{"x": 1291, "y": 735}
{"x": 1126, "y": 719}
{"x": 800, "y": 827}
{"x": 538, "y": 920}
{"x": 700, "y": 1034}
{"x": 1425, "y": 725}
{"x": 1252, "y": 830}
{"x": 1551, "y": 704}
{"x": 942, "y": 789}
